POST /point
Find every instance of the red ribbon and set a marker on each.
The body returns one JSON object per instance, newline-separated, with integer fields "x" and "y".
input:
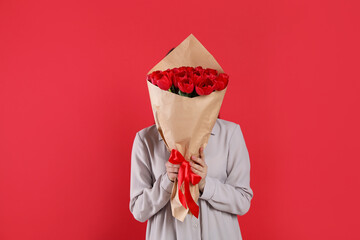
{"x": 187, "y": 176}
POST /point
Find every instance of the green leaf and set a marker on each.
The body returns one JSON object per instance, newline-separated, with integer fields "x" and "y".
{"x": 184, "y": 94}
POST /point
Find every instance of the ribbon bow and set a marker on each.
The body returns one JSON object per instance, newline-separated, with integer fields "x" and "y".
{"x": 187, "y": 176}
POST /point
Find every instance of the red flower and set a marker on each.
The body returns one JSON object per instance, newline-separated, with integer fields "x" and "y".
{"x": 211, "y": 73}
{"x": 171, "y": 75}
{"x": 205, "y": 85}
{"x": 186, "y": 85}
{"x": 221, "y": 81}
{"x": 190, "y": 72}
{"x": 197, "y": 74}
{"x": 180, "y": 75}
{"x": 162, "y": 80}
{"x": 153, "y": 76}
{"x": 186, "y": 68}
{"x": 199, "y": 69}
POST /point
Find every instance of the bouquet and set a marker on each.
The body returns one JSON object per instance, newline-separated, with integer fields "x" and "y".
{"x": 189, "y": 81}
{"x": 186, "y": 91}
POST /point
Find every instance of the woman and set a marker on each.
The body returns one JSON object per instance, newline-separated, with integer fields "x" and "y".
{"x": 225, "y": 192}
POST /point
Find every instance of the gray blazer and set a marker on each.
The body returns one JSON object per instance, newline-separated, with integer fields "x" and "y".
{"x": 226, "y": 194}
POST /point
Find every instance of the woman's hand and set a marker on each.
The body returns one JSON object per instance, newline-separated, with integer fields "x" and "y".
{"x": 200, "y": 168}
{"x": 172, "y": 170}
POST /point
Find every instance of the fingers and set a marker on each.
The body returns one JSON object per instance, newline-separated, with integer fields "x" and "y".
{"x": 201, "y": 159}
{"x": 169, "y": 165}
{"x": 196, "y": 166}
{"x": 199, "y": 166}
{"x": 172, "y": 170}
{"x": 200, "y": 173}
{"x": 172, "y": 176}
{"x": 198, "y": 160}
{"x": 201, "y": 151}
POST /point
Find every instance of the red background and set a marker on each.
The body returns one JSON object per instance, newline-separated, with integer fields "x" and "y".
{"x": 73, "y": 95}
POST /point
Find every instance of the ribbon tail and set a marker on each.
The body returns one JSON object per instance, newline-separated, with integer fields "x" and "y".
{"x": 180, "y": 181}
{"x": 193, "y": 207}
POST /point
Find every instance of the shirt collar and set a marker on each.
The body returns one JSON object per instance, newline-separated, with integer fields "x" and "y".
{"x": 213, "y": 132}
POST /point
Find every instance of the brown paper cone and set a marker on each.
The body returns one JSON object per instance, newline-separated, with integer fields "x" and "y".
{"x": 188, "y": 53}
{"x": 185, "y": 123}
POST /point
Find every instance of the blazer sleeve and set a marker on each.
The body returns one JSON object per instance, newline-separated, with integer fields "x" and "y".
{"x": 146, "y": 197}
{"x": 233, "y": 196}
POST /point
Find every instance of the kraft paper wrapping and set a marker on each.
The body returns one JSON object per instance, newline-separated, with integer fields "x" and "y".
{"x": 185, "y": 123}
